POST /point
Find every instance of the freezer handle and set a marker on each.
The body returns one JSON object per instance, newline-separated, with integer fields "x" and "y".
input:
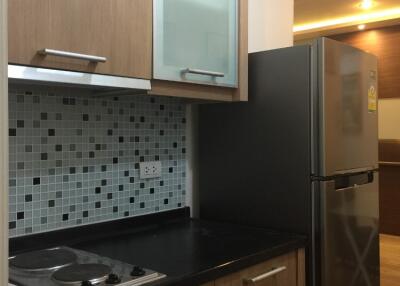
{"x": 355, "y": 186}
{"x": 351, "y": 182}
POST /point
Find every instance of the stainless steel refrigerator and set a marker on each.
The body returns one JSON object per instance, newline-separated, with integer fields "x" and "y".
{"x": 301, "y": 156}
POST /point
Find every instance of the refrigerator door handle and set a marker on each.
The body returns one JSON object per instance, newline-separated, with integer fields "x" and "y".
{"x": 355, "y": 186}
{"x": 352, "y": 182}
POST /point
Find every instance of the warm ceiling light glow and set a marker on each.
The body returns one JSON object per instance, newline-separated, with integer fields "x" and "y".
{"x": 351, "y": 20}
{"x": 366, "y": 4}
{"x": 361, "y": 27}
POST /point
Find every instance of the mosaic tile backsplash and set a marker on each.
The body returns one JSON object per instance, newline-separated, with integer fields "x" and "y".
{"x": 74, "y": 159}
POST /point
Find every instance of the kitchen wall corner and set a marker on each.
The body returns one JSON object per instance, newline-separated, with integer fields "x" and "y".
{"x": 270, "y": 24}
{"x": 3, "y": 145}
{"x": 192, "y": 192}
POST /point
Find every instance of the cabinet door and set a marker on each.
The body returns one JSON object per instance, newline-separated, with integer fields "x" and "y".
{"x": 196, "y": 41}
{"x": 120, "y": 31}
{"x": 280, "y": 271}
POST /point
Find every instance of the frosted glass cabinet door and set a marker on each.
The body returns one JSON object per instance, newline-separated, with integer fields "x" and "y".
{"x": 196, "y": 41}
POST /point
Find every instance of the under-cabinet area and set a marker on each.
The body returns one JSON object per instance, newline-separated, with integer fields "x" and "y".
{"x": 75, "y": 158}
{"x": 77, "y": 193}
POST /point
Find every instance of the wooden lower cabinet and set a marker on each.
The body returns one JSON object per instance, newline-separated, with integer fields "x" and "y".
{"x": 285, "y": 270}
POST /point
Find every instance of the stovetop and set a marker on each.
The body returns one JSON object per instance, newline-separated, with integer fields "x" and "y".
{"x": 64, "y": 266}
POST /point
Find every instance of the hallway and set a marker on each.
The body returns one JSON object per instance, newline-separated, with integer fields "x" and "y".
{"x": 390, "y": 260}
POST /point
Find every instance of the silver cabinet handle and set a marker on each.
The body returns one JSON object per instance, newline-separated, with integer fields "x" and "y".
{"x": 65, "y": 54}
{"x": 261, "y": 277}
{"x": 203, "y": 72}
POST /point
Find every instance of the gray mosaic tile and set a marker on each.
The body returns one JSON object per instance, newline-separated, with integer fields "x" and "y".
{"x": 74, "y": 158}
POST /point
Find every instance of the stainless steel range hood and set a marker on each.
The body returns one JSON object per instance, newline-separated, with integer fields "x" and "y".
{"x": 105, "y": 83}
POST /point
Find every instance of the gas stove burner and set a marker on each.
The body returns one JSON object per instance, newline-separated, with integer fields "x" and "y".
{"x": 43, "y": 260}
{"x": 77, "y": 274}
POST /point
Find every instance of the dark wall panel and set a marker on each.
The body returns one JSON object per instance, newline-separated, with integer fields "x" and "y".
{"x": 389, "y": 186}
{"x": 385, "y": 44}
{"x": 255, "y": 156}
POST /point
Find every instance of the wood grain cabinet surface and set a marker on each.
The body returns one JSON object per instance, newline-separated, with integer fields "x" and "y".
{"x": 212, "y": 92}
{"x": 285, "y": 270}
{"x": 120, "y": 31}
{"x": 196, "y": 41}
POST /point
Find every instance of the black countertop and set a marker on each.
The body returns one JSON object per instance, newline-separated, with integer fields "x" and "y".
{"x": 195, "y": 251}
{"x": 189, "y": 251}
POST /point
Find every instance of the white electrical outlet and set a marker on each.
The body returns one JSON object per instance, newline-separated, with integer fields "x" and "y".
{"x": 150, "y": 170}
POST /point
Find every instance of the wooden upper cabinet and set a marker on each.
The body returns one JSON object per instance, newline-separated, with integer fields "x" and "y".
{"x": 201, "y": 49}
{"x": 196, "y": 41}
{"x": 118, "y": 30}
{"x": 121, "y": 33}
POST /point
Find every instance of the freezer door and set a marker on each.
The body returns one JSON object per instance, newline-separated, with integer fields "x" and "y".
{"x": 346, "y": 109}
{"x": 349, "y": 235}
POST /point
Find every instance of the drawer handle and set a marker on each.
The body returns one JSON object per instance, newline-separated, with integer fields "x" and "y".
{"x": 261, "y": 277}
{"x": 64, "y": 54}
{"x": 203, "y": 72}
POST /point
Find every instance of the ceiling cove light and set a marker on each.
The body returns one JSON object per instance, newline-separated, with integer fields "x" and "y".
{"x": 361, "y": 27}
{"x": 366, "y": 4}
{"x": 350, "y": 20}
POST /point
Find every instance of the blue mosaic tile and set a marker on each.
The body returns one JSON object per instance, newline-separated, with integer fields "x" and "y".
{"x": 74, "y": 158}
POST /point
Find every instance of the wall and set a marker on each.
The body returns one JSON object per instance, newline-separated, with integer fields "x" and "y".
{"x": 389, "y": 175}
{"x": 389, "y": 118}
{"x": 270, "y": 24}
{"x": 74, "y": 158}
{"x": 3, "y": 144}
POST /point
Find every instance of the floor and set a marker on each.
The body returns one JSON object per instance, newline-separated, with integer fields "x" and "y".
{"x": 390, "y": 260}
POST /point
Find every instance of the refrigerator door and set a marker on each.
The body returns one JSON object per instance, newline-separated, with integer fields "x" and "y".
{"x": 349, "y": 235}
{"x": 346, "y": 109}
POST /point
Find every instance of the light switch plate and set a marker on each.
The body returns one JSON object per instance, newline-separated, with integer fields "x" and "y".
{"x": 150, "y": 170}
